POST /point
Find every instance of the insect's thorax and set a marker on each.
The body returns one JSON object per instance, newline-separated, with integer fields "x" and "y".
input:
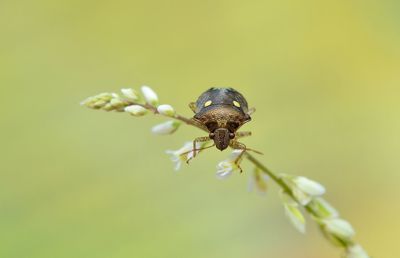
{"x": 221, "y": 116}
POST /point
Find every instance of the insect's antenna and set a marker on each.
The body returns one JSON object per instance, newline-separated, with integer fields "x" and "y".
{"x": 255, "y": 151}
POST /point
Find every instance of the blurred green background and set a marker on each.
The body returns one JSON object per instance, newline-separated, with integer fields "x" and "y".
{"x": 323, "y": 75}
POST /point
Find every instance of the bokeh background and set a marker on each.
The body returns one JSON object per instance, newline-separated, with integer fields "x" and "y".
{"x": 323, "y": 75}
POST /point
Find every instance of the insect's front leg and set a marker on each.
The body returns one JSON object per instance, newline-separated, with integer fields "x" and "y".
{"x": 199, "y": 140}
{"x": 238, "y": 146}
{"x": 194, "y": 151}
{"x": 242, "y": 134}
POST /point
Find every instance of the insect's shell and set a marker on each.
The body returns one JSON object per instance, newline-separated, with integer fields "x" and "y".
{"x": 222, "y": 108}
{"x": 217, "y": 97}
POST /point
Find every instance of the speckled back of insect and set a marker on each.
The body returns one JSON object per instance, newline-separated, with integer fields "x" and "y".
{"x": 222, "y": 108}
{"x": 222, "y": 111}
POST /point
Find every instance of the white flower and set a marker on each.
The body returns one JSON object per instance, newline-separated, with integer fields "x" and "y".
{"x": 339, "y": 228}
{"x": 130, "y": 94}
{"x": 166, "y": 110}
{"x": 136, "y": 110}
{"x": 177, "y": 156}
{"x": 168, "y": 127}
{"x": 356, "y": 251}
{"x": 308, "y": 186}
{"x": 226, "y": 167}
{"x": 150, "y": 96}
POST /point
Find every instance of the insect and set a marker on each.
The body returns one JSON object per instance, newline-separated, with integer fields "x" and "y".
{"x": 221, "y": 112}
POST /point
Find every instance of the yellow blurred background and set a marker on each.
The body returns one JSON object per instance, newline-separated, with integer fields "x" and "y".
{"x": 323, "y": 75}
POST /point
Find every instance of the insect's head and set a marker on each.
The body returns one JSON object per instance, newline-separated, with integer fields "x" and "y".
{"x": 222, "y": 137}
{"x": 222, "y": 132}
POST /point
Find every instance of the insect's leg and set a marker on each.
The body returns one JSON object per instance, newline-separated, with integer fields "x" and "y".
{"x": 238, "y": 146}
{"x": 242, "y": 134}
{"x": 195, "y": 151}
{"x": 251, "y": 111}
{"x": 192, "y": 106}
{"x": 198, "y": 140}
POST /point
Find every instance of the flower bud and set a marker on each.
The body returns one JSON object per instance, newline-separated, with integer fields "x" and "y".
{"x": 166, "y": 110}
{"x": 117, "y": 104}
{"x": 339, "y": 228}
{"x": 130, "y": 94}
{"x": 136, "y": 110}
{"x": 323, "y": 209}
{"x": 295, "y": 216}
{"x": 356, "y": 251}
{"x": 98, "y": 101}
{"x": 168, "y": 127}
{"x": 308, "y": 186}
{"x": 302, "y": 197}
{"x": 150, "y": 96}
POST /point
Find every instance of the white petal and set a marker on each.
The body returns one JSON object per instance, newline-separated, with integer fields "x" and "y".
{"x": 175, "y": 158}
{"x": 168, "y": 127}
{"x": 308, "y": 186}
{"x": 340, "y": 228}
{"x": 166, "y": 110}
{"x": 224, "y": 169}
{"x": 150, "y": 96}
{"x": 224, "y": 174}
{"x": 356, "y": 251}
{"x": 130, "y": 94}
{"x": 136, "y": 110}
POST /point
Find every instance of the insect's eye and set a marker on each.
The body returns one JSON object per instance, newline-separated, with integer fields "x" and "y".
{"x": 233, "y": 126}
{"x": 212, "y": 126}
{"x": 231, "y": 135}
{"x": 212, "y": 135}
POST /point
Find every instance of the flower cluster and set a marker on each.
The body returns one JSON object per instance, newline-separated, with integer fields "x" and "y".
{"x": 299, "y": 193}
{"x": 307, "y": 193}
{"x": 132, "y": 102}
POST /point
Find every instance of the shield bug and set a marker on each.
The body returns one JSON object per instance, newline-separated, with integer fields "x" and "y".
{"x": 221, "y": 112}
